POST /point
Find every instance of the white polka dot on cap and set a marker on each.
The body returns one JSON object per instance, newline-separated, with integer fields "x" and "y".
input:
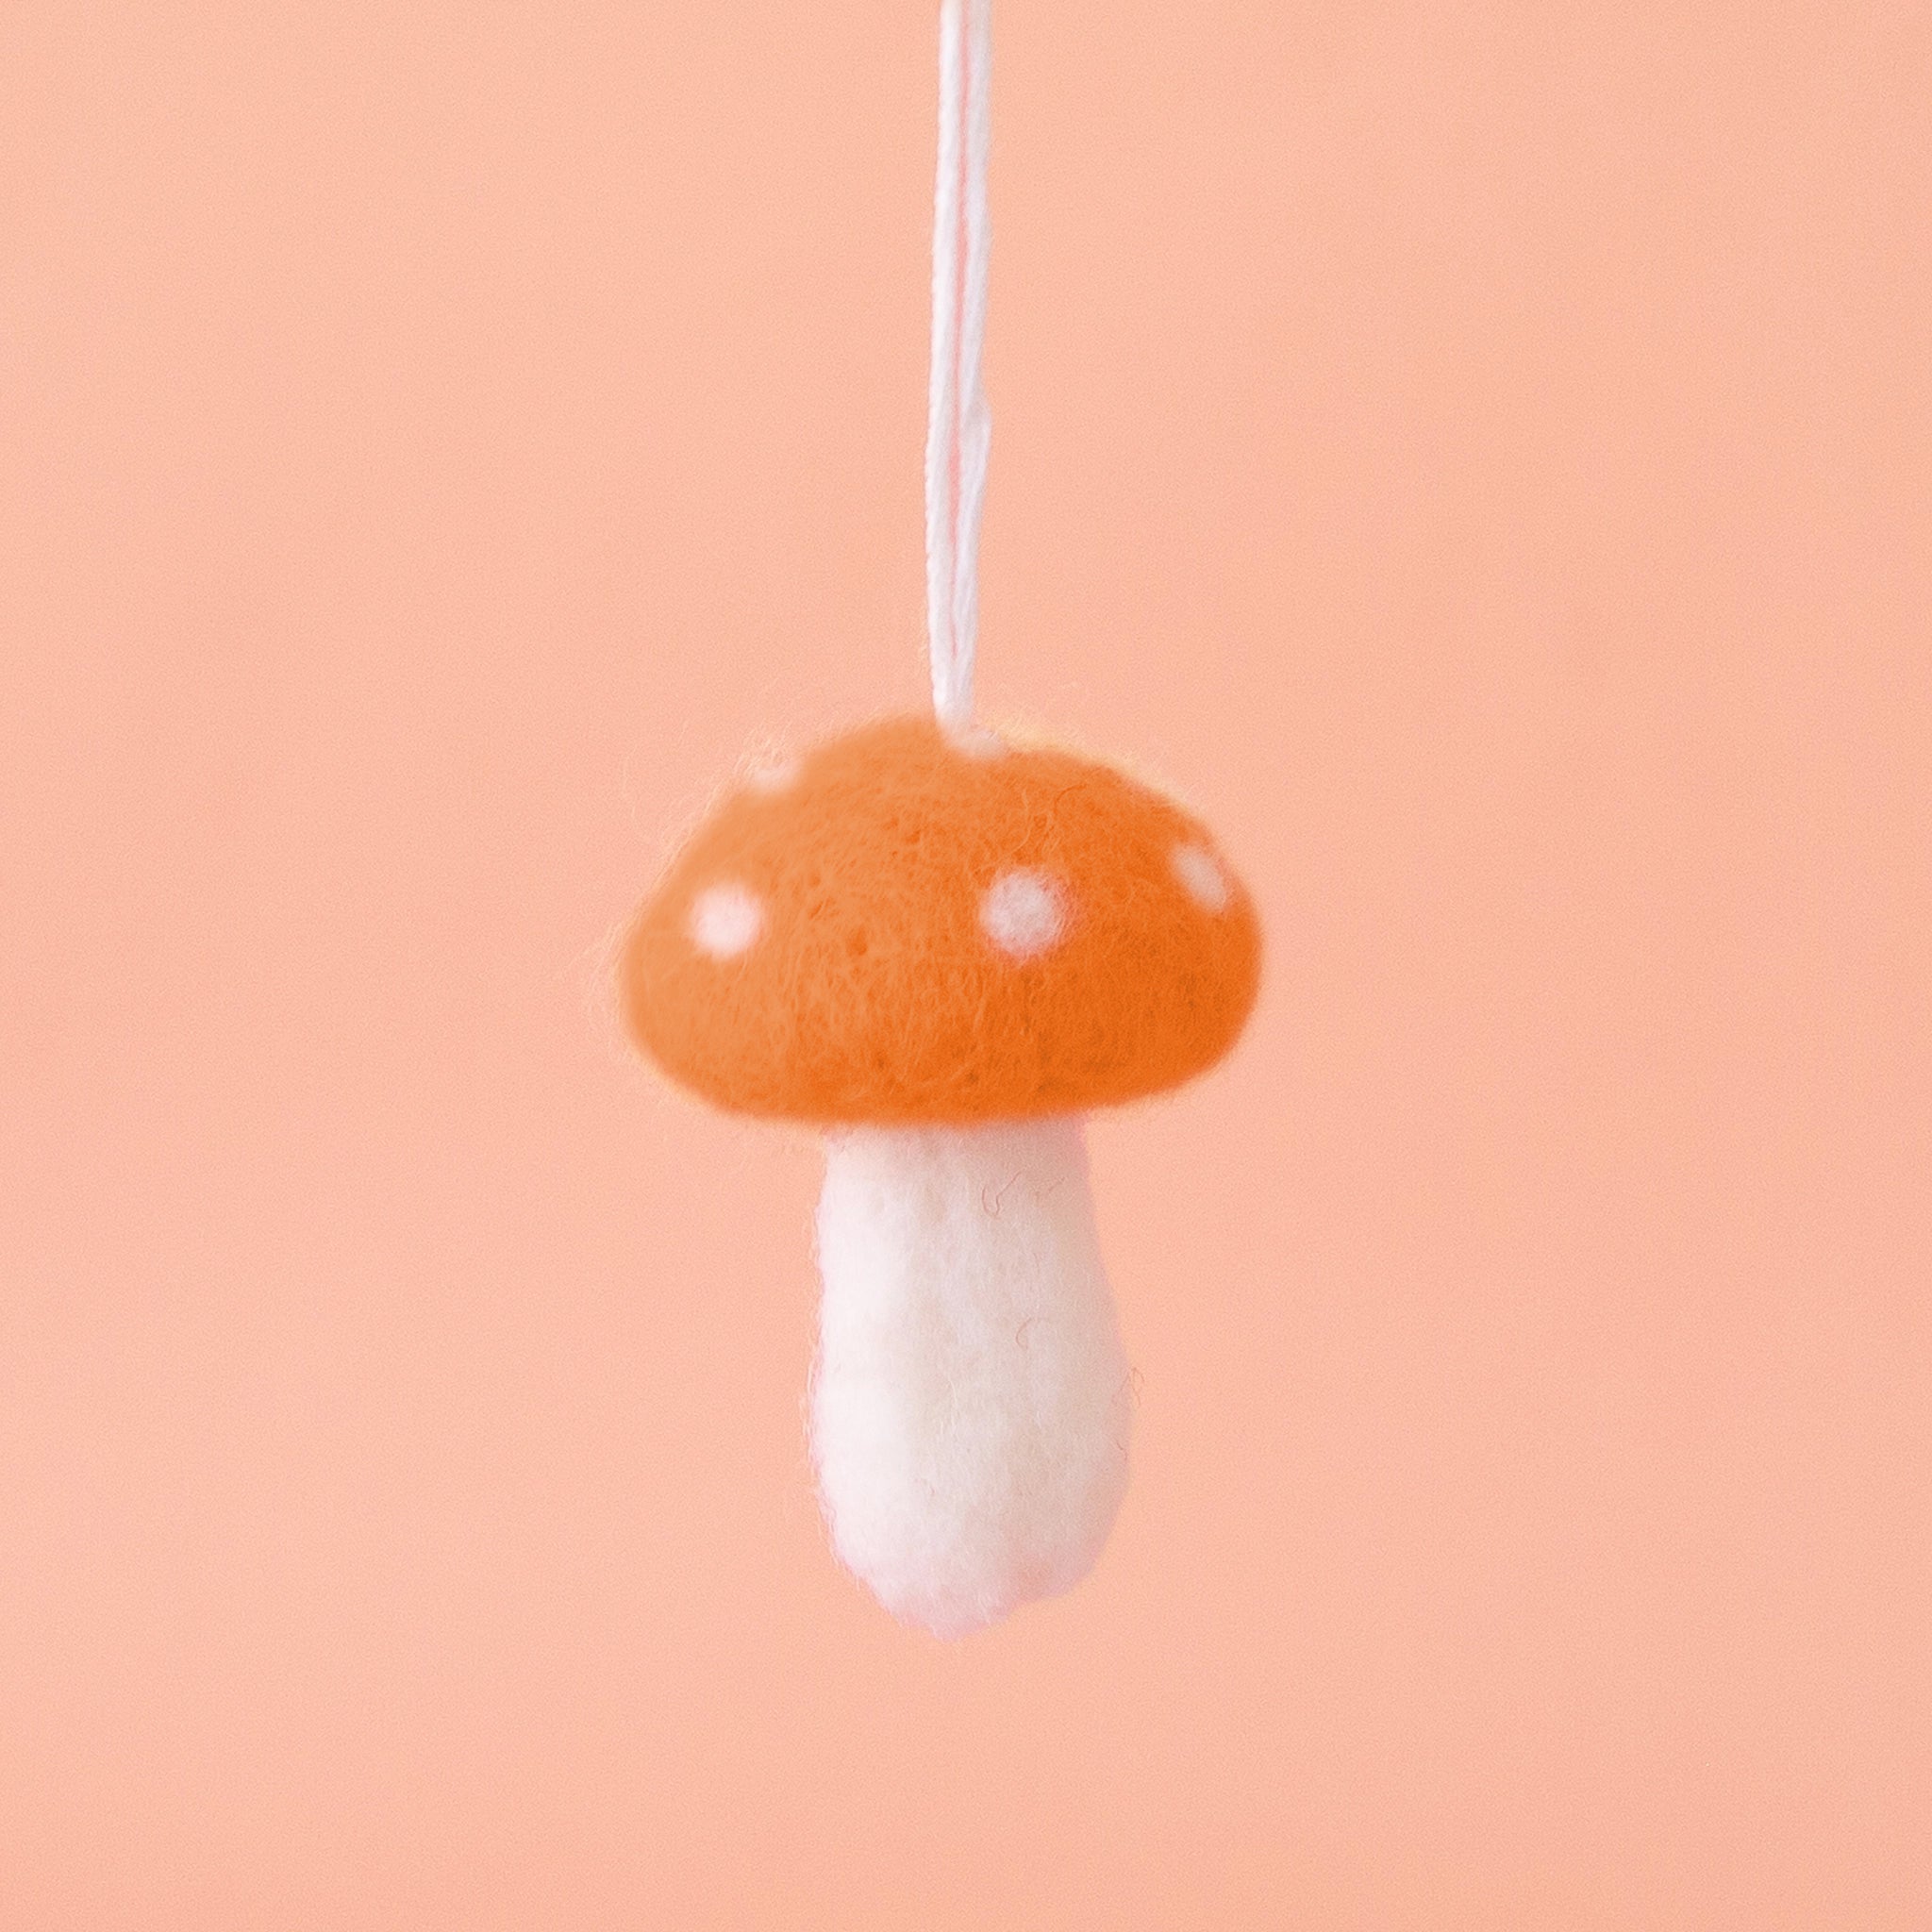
{"x": 1200, "y": 872}
{"x": 773, "y": 772}
{"x": 1024, "y": 914}
{"x": 976, "y": 741}
{"x": 726, "y": 921}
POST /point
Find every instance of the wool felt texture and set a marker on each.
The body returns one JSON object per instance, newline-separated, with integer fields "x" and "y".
{"x": 911, "y": 927}
{"x": 971, "y": 1406}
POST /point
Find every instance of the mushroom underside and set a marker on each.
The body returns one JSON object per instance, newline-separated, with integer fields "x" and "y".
{"x": 970, "y": 1405}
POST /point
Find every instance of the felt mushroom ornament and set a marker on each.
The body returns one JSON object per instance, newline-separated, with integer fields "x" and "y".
{"x": 944, "y": 954}
{"x": 942, "y": 949}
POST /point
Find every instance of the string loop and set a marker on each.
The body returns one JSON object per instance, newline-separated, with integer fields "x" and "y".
{"x": 959, "y": 430}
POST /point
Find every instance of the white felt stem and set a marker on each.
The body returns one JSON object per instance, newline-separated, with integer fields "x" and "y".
{"x": 971, "y": 1406}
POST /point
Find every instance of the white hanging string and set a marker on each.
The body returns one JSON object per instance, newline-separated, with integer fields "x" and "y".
{"x": 958, "y": 429}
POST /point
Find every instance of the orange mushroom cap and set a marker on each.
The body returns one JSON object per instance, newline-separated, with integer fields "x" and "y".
{"x": 908, "y": 928}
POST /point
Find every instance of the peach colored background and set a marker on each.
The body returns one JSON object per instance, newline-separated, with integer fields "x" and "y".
{"x": 1480, "y": 453}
